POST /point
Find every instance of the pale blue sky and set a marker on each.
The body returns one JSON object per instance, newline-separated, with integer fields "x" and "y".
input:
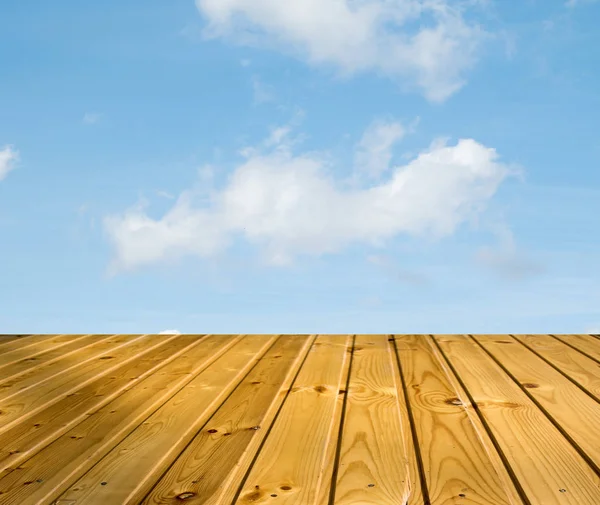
{"x": 289, "y": 162}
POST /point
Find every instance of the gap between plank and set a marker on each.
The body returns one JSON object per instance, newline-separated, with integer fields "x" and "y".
{"x": 338, "y": 448}
{"x": 562, "y": 431}
{"x": 208, "y": 420}
{"x": 413, "y": 430}
{"x": 215, "y": 357}
{"x": 262, "y": 443}
{"x": 575, "y": 348}
{"x": 590, "y": 394}
{"x": 499, "y": 450}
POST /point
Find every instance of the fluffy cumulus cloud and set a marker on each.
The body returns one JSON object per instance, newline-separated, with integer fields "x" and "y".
{"x": 428, "y": 44}
{"x": 8, "y": 158}
{"x": 289, "y": 204}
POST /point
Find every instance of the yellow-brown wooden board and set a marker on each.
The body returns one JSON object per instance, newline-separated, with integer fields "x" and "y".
{"x": 548, "y": 468}
{"x": 587, "y": 344}
{"x": 300, "y": 419}
{"x": 575, "y": 366}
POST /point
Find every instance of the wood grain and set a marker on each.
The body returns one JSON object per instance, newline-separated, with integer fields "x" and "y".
{"x": 17, "y": 350}
{"x": 5, "y": 339}
{"x": 24, "y": 439}
{"x": 586, "y": 344}
{"x": 575, "y": 412}
{"x": 455, "y": 461}
{"x": 136, "y": 463}
{"x": 547, "y": 467}
{"x": 25, "y": 396}
{"x": 291, "y": 462}
{"x": 36, "y": 376}
{"x": 8, "y": 343}
{"x": 300, "y": 419}
{"x": 571, "y": 363}
{"x": 211, "y": 468}
{"x": 415, "y": 482}
{"x": 59, "y": 357}
{"x": 373, "y": 464}
{"x": 52, "y": 470}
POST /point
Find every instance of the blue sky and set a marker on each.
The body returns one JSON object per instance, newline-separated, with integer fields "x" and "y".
{"x": 237, "y": 166}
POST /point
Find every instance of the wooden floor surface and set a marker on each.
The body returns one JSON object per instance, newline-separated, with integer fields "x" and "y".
{"x": 300, "y": 419}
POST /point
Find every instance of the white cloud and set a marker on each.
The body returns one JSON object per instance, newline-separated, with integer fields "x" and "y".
{"x": 170, "y": 332}
{"x": 427, "y": 44}
{"x": 374, "y": 151}
{"x": 91, "y": 118}
{"x": 289, "y": 204}
{"x": 8, "y": 158}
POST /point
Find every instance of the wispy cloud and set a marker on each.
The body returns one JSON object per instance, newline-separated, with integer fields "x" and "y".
{"x": 506, "y": 260}
{"x": 288, "y": 204}
{"x": 428, "y": 45}
{"x": 263, "y": 93}
{"x": 91, "y": 118}
{"x": 575, "y": 3}
{"x": 8, "y": 160}
{"x": 391, "y": 268}
{"x": 374, "y": 151}
{"x": 165, "y": 194}
{"x": 170, "y": 332}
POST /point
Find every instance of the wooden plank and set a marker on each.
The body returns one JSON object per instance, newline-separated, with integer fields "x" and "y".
{"x": 211, "y": 467}
{"x": 415, "y": 483}
{"x": 330, "y": 460}
{"x": 373, "y": 465}
{"x": 4, "y": 339}
{"x": 574, "y": 412}
{"x": 35, "y": 376}
{"x": 20, "y": 404}
{"x": 455, "y": 454}
{"x": 17, "y": 350}
{"x": 52, "y": 470}
{"x": 578, "y": 367}
{"x": 25, "y": 439}
{"x": 8, "y": 344}
{"x": 548, "y": 468}
{"x": 586, "y": 344}
{"x": 132, "y": 467}
{"x": 290, "y": 464}
{"x": 31, "y": 365}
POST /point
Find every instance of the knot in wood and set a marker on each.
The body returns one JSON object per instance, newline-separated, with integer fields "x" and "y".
{"x": 453, "y": 401}
{"x": 530, "y": 385}
{"x": 185, "y": 496}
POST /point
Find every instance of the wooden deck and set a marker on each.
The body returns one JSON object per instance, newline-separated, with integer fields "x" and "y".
{"x": 300, "y": 419}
